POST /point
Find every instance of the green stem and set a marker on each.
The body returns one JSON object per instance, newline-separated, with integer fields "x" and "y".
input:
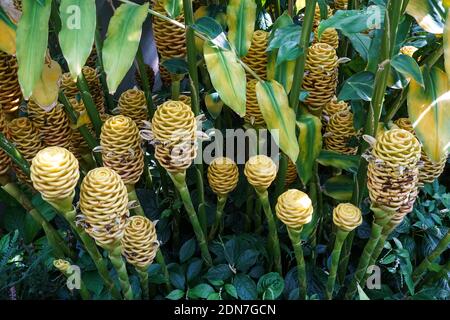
{"x": 294, "y": 97}
{"x": 257, "y": 217}
{"x": 273, "y": 234}
{"x": 296, "y": 240}
{"x": 179, "y": 180}
{"x": 175, "y": 89}
{"x": 54, "y": 238}
{"x": 115, "y": 255}
{"x": 14, "y": 154}
{"x": 84, "y": 131}
{"x": 335, "y": 255}
{"x": 277, "y": 8}
{"x": 343, "y": 264}
{"x": 143, "y": 279}
{"x": 317, "y": 200}
{"x": 66, "y": 209}
{"x": 89, "y": 104}
{"x": 442, "y": 274}
{"x": 281, "y": 178}
{"x": 201, "y": 198}
{"x": 145, "y": 83}
{"x": 426, "y": 263}
{"x": 160, "y": 260}
{"x": 249, "y": 208}
{"x": 102, "y": 74}
{"x": 132, "y": 196}
{"x": 221, "y": 201}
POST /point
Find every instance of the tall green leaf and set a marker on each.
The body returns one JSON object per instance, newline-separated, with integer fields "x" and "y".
{"x": 241, "y": 15}
{"x": 408, "y": 67}
{"x": 310, "y": 145}
{"x": 31, "y": 41}
{"x": 173, "y": 7}
{"x": 279, "y": 117}
{"x": 77, "y": 33}
{"x": 339, "y": 188}
{"x": 338, "y": 160}
{"x": 122, "y": 42}
{"x": 227, "y": 76}
{"x": 429, "y": 111}
{"x": 446, "y": 39}
{"x": 281, "y": 72}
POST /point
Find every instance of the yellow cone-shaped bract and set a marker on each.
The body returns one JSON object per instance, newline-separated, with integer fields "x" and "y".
{"x": 5, "y": 160}
{"x": 408, "y": 50}
{"x": 55, "y": 173}
{"x": 174, "y": 129}
{"x": 53, "y": 125}
{"x": 104, "y": 204}
{"x": 10, "y": 93}
{"x": 428, "y": 170}
{"x": 132, "y": 103}
{"x": 253, "y": 113}
{"x": 223, "y": 175}
{"x": 318, "y": 15}
{"x": 393, "y": 174}
{"x": 329, "y": 36}
{"x": 294, "y": 208}
{"x": 256, "y": 58}
{"x": 347, "y": 217}
{"x": 339, "y": 132}
{"x": 170, "y": 39}
{"x": 321, "y": 76}
{"x": 340, "y": 4}
{"x": 260, "y": 171}
{"x": 28, "y": 142}
{"x": 140, "y": 243}
{"x": 291, "y": 173}
{"x": 121, "y": 148}
{"x": 62, "y": 265}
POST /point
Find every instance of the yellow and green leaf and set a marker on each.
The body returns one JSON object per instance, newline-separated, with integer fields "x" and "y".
{"x": 7, "y": 38}
{"x": 122, "y": 42}
{"x": 46, "y": 90}
{"x": 241, "y": 17}
{"x": 76, "y": 37}
{"x": 227, "y": 76}
{"x": 173, "y": 7}
{"x": 214, "y": 104}
{"x": 446, "y": 45}
{"x": 429, "y": 112}
{"x": 310, "y": 145}
{"x": 279, "y": 117}
{"x": 427, "y": 15}
{"x": 31, "y": 41}
{"x": 338, "y": 160}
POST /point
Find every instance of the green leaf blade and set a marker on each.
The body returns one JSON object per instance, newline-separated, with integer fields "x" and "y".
{"x": 241, "y": 22}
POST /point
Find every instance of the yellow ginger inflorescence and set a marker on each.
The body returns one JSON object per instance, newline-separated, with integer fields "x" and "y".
{"x": 104, "y": 204}
{"x": 166, "y": 78}
{"x": 140, "y": 242}
{"x": 393, "y": 171}
{"x": 10, "y": 93}
{"x": 223, "y": 175}
{"x": 340, "y": 4}
{"x": 429, "y": 170}
{"x": 70, "y": 88}
{"x": 318, "y": 15}
{"x": 174, "y": 130}
{"x": 256, "y": 57}
{"x": 260, "y": 171}
{"x": 253, "y": 113}
{"x": 5, "y": 160}
{"x": 149, "y": 73}
{"x": 339, "y": 132}
{"x": 408, "y": 50}
{"x": 121, "y": 148}
{"x": 132, "y": 103}
{"x": 291, "y": 173}
{"x": 92, "y": 59}
{"x": 170, "y": 39}
{"x": 331, "y": 108}
{"x": 187, "y": 100}
{"x": 294, "y": 208}
{"x": 321, "y": 76}
{"x": 347, "y": 217}
{"x": 329, "y": 36}
{"x": 54, "y": 125}
{"x": 55, "y": 173}
{"x": 28, "y": 142}
{"x": 62, "y": 265}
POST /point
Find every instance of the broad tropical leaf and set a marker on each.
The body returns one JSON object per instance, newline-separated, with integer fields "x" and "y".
{"x": 173, "y": 7}
{"x": 31, "y": 41}
{"x": 214, "y": 104}
{"x": 227, "y": 76}
{"x": 408, "y": 67}
{"x": 338, "y": 160}
{"x": 7, "y": 38}
{"x": 310, "y": 145}
{"x": 281, "y": 72}
{"x": 427, "y": 14}
{"x": 279, "y": 117}
{"x": 241, "y": 16}
{"x": 122, "y": 42}
{"x": 339, "y": 188}
{"x": 46, "y": 90}
{"x": 76, "y": 37}
{"x": 429, "y": 111}
{"x": 446, "y": 38}
{"x": 358, "y": 87}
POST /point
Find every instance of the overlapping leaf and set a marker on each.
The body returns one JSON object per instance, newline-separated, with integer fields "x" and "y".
{"x": 241, "y": 15}
{"x": 310, "y": 145}
{"x": 46, "y": 90}
{"x": 427, "y": 14}
{"x": 173, "y": 7}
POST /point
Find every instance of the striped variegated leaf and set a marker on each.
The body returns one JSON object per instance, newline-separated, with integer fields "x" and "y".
{"x": 241, "y": 15}
{"x": 310, "y": 145}
{"x": 173, "y": 7}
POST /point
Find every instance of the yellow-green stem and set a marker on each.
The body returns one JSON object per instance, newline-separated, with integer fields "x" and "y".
{"x": 143, "y": 279}
{"x": 115, "y": 256}
{"x": 161, "y": 261}
{"x": 221, "y": 201}
{"x": 296, "y": 240}
{"x": 341, "y": 235}
{"x": 132, "y": 196}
